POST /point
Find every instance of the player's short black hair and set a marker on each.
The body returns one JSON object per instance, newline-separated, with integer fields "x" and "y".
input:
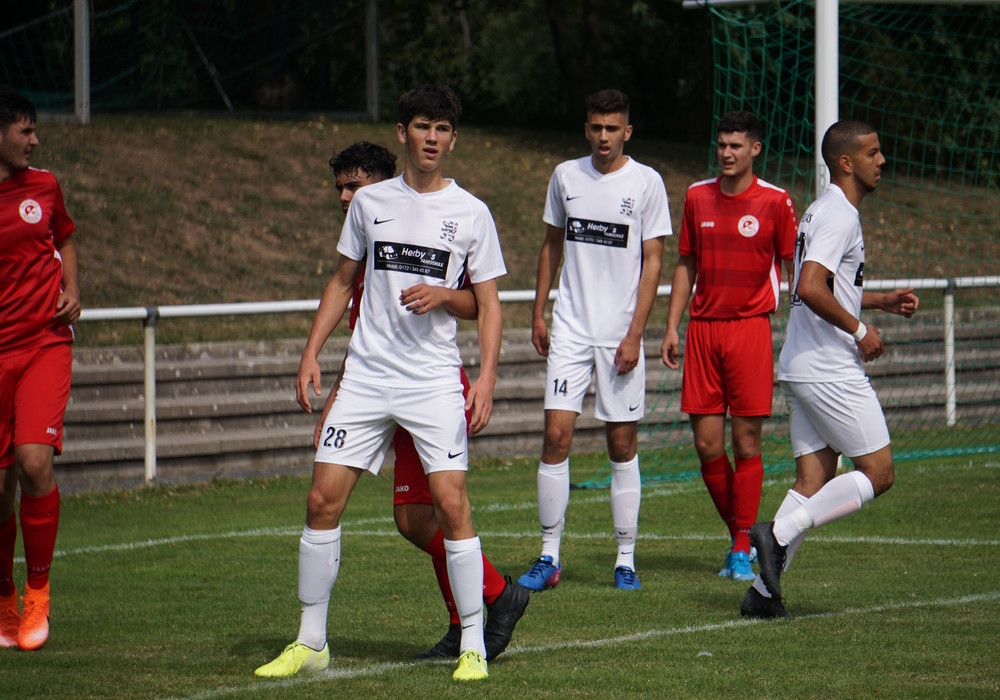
{"x": 739, "y": 121}
{"x": 14, "y": 107}
{"x": 434, "y": 102}
{"x": 369, "y": 158}
{"x": 843, "y": 138}
{"x": 608, "y": 102}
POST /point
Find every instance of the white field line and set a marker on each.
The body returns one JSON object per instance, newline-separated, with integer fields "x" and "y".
{"x": 358, "y": 528}
{"x": 379, "y": 669}
{"x": 490, "y": 535}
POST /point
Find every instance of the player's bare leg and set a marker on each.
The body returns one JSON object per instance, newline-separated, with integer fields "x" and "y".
{"x": 626, "y": 495}
{"x": 319, "y": 564}
{"x": 465, "y": 567}
{"x": 553, "y": 498}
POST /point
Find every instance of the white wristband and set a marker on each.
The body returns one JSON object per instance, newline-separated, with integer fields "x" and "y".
{"x": 861, "y": 332}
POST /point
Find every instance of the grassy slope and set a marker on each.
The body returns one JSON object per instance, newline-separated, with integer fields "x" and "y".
{"x": 182, "y": 209}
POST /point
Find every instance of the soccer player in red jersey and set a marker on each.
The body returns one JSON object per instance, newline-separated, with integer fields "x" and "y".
{"x": 735, "y": 232}
{"x": 39, "y": 302}
{"x": 354, "y": 167}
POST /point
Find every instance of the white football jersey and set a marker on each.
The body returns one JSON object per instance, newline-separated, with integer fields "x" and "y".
{"x": 816, "y": 350}
{"x": 606, "y": 219}
{"x": 407, "y": 238}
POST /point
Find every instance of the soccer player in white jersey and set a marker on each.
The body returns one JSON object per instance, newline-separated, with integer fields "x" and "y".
{"x": 832, "y": 407}
{"x": 403, "y": 368}
{"x": 607, "y": 216}
{"x": 736, "y": 231}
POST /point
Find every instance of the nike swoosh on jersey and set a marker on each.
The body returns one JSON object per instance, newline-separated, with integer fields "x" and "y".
{"x": 570, "y": 199}
{"x": 457, "y": 454}
{"x": 377, "y": 222}
{"x": 633, "y": 408}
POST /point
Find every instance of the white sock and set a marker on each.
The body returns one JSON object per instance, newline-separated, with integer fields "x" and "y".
{"x": 793, "y": 499}
{"x": 626, "y": 494}
{"x": 465, "y": 571}
{"x": 553, "y": 499}
{"x": 842, "y": 495}
{"x": 319, "y": 562}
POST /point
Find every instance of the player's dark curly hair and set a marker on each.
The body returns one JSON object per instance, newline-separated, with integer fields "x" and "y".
{"x": 608, "y": 102}
{"x": 741, "y": 121}
{"x": 369, "y": 158}
{"x": 14, "y": 107}
{"x": 434, "y": 102}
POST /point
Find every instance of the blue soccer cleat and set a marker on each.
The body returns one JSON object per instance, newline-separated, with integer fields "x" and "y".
{"x": 739, "y": 566}
{"x": 626, "y": 579}
{"x": 542, "y": 574}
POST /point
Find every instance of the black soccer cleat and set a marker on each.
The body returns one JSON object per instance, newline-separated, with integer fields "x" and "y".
{"x": 757, "y": 605}
{"x": 501, "y": 617}
{"x": 447, "y": 647}
{"x": 770, "y": 556}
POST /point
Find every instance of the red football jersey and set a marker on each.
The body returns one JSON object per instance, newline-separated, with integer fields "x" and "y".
{"x": 33, "y": 221}
{"x": 738, "y": 244}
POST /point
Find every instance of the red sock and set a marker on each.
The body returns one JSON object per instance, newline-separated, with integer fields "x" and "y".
{"x": 718, "y": 476}
{"x": 746, "y": 497}
{"x": 8, "y": 540}
{"x": 493, "y": 582}
{"x": 438, "y": 558}
{"x": 39, "y": 526}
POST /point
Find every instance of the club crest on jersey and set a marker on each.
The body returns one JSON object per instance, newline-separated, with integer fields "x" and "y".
{"x": 448, "y": 230}
{"x": 30, "y": 211}
{"x": 627, "y": 205}
{"x": 748, "y": 226}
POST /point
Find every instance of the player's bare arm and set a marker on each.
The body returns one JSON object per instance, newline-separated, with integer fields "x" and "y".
{"x": 683, "y": 281}
{"x": 902, "y": 302}
{"x": 336, "y": 296}
{"x": 68, "y": 304}
{"x": 627, "y": 355}
{"x": 548, "y": 264}
{"x": 790, "y": 274}
{"x": 490, "y": 322}
{"x": 422, "y": 298}
{"x": 812, "y": 288}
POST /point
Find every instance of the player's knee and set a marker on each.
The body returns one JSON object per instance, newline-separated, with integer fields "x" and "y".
{"x": 884, "y": 481}
{"x": 621, "y": 451}
{"x": 322, "y": 509}
{"x": 557, "y": 440}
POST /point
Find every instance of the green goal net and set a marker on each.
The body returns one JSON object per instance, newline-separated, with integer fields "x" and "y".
{"x": 928, "y": 78}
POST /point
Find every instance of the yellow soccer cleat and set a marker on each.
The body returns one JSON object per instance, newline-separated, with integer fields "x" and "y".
{"x": 471, "y": 667}
{"x": 295, "y": 658}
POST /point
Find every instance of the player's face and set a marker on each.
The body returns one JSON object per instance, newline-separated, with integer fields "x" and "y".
{"x": 867, "y": 162}
{"x": 735, "y": 153}
{"x": 607, "y": 134}
{"x": 349, "y": 183}
{"x": 427, "y": 142}
{"x": 17, "y": 142}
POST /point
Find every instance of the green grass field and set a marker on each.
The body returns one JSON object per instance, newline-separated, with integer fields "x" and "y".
{"x": 182, "y": 592}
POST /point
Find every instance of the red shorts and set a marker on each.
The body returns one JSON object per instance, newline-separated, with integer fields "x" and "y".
{"x": 34, "y": 389}
{"x": 409, "y": 482}
{"x": 728, "y": 366}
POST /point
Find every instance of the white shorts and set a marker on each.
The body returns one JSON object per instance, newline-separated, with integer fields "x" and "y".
{"x": 621, "y": 398}
{"x": 361, "y": 422}
{"x": 844, "y": 415}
